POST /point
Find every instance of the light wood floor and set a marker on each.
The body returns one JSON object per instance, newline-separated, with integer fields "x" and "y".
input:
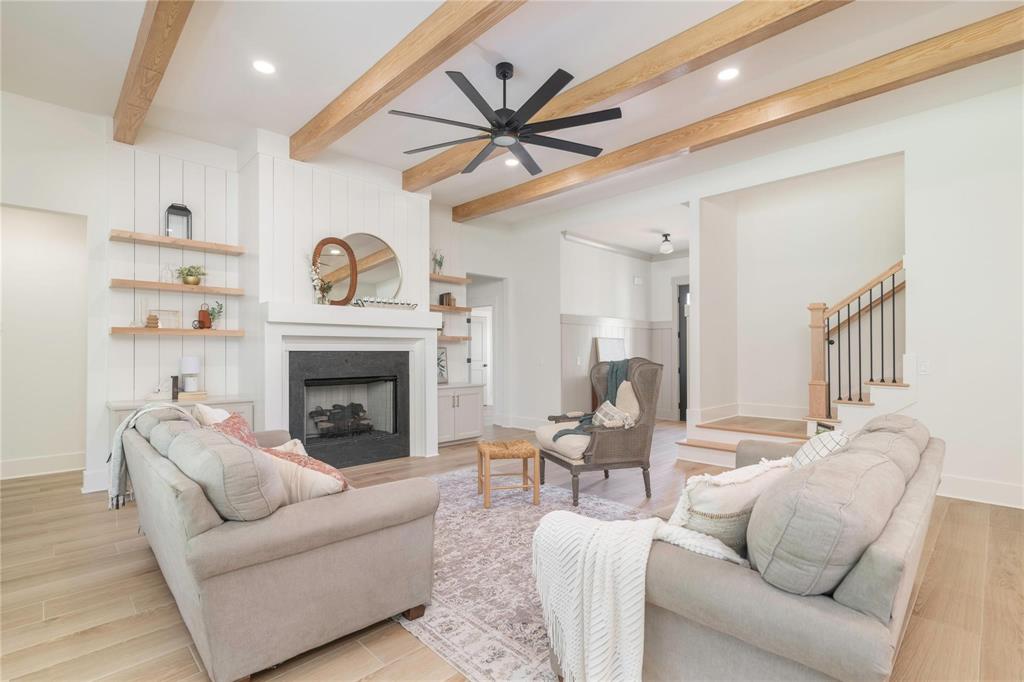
{"x": 784, "y": 428}
{"x": 82, "y": 598}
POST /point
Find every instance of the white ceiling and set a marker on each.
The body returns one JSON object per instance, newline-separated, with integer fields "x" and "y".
{"x": 641, "y": 230}
{"x": 75, "y": 54}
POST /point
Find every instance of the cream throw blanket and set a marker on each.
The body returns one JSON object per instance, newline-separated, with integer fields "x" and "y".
{"x": 120, "y": 487}
{"x": 591, "y": 576}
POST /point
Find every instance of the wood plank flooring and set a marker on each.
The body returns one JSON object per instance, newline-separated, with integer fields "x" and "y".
{"x": 81, "y": 596}
{"x": 765, "y": 426}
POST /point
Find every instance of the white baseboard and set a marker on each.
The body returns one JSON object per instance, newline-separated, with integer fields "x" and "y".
{"x": 39, "y": 466}
{"x": 983, "y": 490}
{"x": 710, "y": 414}
{"x": 773, "y": 411}
{"x": 95, "y": 479}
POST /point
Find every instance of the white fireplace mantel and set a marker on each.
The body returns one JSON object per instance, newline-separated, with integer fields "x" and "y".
{"x": 307, "y": 327}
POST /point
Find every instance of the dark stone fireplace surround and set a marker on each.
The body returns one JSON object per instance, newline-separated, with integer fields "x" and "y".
{"x": 344, "y": 364}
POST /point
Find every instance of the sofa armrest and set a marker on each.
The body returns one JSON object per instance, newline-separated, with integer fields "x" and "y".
{"x": 272, "y": 439}
{"x": 305, "y": 526}
{"x": 815, "y": 631}
{"x": 753, "y": 451}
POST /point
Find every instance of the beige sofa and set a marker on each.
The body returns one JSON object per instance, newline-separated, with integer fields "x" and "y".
{"x": 256, "y": 593}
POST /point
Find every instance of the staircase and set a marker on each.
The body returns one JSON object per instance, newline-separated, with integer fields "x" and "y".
{"x": 858, "y": 354}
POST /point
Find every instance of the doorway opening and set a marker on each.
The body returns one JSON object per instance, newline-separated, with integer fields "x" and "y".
{"x": 486, "y": 296}
{"x": 481, "y": 350}
{"x": 683, "y": 301}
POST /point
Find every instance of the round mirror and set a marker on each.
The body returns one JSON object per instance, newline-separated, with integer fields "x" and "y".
{"x": 334, "y": 262}
{"x": 378, "y": 273}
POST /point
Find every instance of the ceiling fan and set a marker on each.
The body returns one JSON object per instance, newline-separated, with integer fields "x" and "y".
{"x": 512, "y": 129}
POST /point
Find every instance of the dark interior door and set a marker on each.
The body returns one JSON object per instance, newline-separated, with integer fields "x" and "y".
{"x": 684, "y": 296}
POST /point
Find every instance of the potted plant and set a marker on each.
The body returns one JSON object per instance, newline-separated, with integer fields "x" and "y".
{"x": 216, "y": 313}
{"x": 437, "y": 260}
{"x": 191, "y": 274}
{"x": 321, "y": 286}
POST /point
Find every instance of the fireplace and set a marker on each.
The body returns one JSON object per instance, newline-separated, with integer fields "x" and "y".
{"x": 350, "y": 407}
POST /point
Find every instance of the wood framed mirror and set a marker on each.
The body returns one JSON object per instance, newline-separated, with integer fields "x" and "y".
{"x": 335, "y": 262}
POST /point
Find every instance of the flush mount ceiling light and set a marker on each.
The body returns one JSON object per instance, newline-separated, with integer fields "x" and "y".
{"x": 264, "y": 66}
{"x": 728, "y": 74}
{"x": 512, "y": 162}
{"x": 666, "y": 244}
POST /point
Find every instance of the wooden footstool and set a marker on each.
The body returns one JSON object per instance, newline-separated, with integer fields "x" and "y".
{"x": 512, "y": 449}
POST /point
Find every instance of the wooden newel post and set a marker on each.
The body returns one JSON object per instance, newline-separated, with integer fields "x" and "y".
{"x": 817, "y": 387}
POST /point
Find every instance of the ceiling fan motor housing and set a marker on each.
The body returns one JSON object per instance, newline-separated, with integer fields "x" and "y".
{"x": 504, "y": 70}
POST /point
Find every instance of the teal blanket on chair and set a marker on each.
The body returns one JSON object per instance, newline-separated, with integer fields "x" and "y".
{"x": 617, "y": 371}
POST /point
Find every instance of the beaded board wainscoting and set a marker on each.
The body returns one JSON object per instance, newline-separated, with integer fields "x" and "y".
{"x": 485, "y": 618}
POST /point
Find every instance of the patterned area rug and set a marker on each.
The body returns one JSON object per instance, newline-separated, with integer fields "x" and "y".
{"x": 485, "y": 618}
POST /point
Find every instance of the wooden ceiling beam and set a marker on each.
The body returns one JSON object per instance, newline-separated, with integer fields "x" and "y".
{"x": 983, "y": 40}
{"x": 374, "y": 260}
{"x": 737, "y": 28}
{"x": 451, "y": 27}
{"x": 161, "y": 26}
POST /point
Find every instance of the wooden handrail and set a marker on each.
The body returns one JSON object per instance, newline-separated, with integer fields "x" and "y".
{"x": 891, "y": 270}
{"x": 875, "y": 302}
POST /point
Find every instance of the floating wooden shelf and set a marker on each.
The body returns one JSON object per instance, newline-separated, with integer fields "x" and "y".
{"x": 164, "y": 331}
{"x": 449, "y": 279}
{"x": 175, "y": 242}
{"x": 174, "y": 286}
{"x": 449, "y": 309}
{"x": 452, "y": 339}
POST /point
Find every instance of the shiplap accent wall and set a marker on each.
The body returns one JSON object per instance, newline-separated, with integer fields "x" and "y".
{"x": 652, "y": 340}
{"x": 141, "y": 185}
{"x": 310, "y": 203}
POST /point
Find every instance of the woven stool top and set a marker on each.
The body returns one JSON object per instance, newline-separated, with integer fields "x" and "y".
{"x": 506, "y": 449}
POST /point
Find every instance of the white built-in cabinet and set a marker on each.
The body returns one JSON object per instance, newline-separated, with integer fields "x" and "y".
{"x": 459, "y": 412}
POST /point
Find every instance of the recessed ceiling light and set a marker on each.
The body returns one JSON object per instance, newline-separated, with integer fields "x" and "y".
{"x": 512, "y": 161}
{"x": 266, "y": 67}
{"x": 728, "y": 74}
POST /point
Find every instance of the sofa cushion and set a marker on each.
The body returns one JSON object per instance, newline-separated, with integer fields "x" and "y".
{"x": 807, "y": 531}
{"x": 144, "y": 424}
{"x": 304, "y": 477}
{"x": 241, "y": 482}
{"x": 720, "y": 505}
{"x": 570, "y": 447}
{"x": 165, "y": 432}
{"x": 900, "y": 423}
{"x": 871, "y": 587}
{"x": 898, "y": 447}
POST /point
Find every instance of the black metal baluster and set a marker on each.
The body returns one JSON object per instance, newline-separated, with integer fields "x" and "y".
{"x": 849, "y": 355}
{"x": 881, "y": 333}
{"x": 828, "y": 371}
{"x": 893, "y": 291}
{"x": 871, "y": 332}
{"x": 860, "y": 354}
{"x": 839, "y": 355}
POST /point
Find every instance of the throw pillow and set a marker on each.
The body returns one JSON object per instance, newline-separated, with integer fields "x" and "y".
{"x": 306, "y": 477}
{"x": 626, "y": 400}
{"x": 208, "y": 416}
{"x": 611, "y": 417}
{"x": 239, "y": 429}
{"x": 164, "y": 433}
{"x": 720, "y": 505}
{"x": 294, "y": 445}
{"x": 819, "y": 447}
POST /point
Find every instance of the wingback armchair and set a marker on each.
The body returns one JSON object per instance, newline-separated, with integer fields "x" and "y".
{"x": 603, "y": 448}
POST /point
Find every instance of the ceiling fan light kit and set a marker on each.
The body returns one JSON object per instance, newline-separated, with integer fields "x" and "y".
{"x": 511, "y": 129}
{"x": 666, "y": 244}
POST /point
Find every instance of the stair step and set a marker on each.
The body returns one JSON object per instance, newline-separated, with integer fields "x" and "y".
{"x": 824, "y": 420}
{"x": 760, "y": 426}
{"x": 888, "y": 384}
{"x": 708, "y": 444}
{"x": 862, "y": 403}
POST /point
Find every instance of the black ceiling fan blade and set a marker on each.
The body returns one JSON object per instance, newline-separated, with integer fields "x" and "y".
{"x": 435, "y": 119}
{"x": 524, "y": 158}
{"x": 475, "y": 97}
{"x": 545, "y": 93}
{"x": 480, "y": 158}
{"x": 447, "y": 144}
{"x": 564, "y": 145}
{"x": 573, "y": 121}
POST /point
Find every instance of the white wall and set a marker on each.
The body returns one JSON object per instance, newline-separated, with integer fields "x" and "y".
{"x": 664, "y": 280}
{"x": 44, "y": 341}
{"x": 718, "y": 307}
{"x": 603, "y": 283}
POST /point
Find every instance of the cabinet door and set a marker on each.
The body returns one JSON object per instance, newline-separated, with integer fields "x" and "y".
{"x": 468, "y": 414}
{"x": 445, "y": 417}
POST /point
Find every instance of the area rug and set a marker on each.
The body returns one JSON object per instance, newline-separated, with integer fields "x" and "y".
{"x": 485, "y": 618}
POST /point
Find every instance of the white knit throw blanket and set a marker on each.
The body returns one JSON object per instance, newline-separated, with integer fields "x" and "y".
{"x": 591, "y": 576}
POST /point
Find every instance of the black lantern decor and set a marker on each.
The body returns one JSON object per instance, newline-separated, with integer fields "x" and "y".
{"x": 178, "y": 221}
